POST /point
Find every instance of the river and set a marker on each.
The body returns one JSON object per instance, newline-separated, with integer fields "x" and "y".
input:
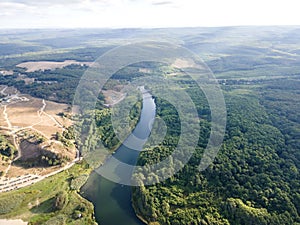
{"x": 112, "y": 201}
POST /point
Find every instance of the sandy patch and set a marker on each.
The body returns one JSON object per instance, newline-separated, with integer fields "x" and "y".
{"x": 49, "y": 65}
{"x": 3, "y": 165}
{"x": 16, "y": 171}
{"x": 2, "y": 120}
{"x": 6, "y": 72}
{"x": 12, "y": 222}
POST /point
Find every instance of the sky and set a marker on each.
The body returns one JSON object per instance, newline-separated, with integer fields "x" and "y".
{"x": 146, "y": 13}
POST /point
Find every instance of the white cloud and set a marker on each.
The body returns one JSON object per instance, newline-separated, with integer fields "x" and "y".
{"x": 146, "y": 13}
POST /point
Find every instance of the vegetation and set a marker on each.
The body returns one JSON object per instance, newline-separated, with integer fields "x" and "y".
{"x": 6, "y": 148}
{"x": 10, "y": 203}
{"x": 61, "y": 199}
{"x": 253, "y": 180}
{"x": 58, "y": 85}
{"x": 95, "y": 133}
{"x": 50, "y": 200}
{"x": 78, "y": 182}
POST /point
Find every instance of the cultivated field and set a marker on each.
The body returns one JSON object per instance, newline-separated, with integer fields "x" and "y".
{"x": 49, "y": 65}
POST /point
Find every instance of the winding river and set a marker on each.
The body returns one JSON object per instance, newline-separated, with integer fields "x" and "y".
{"x": 112, "y": 201}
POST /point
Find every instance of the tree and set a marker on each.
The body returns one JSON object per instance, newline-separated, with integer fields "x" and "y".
{"x": 61, "y": 200}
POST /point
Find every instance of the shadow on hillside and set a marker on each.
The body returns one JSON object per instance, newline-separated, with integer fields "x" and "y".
{"x": 44, "y": 207}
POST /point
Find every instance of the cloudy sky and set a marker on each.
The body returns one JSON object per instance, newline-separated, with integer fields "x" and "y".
{"x": 146, "y": 13}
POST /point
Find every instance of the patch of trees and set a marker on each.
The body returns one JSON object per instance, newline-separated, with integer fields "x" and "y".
{"x": 6, "y": 148}
{"x": 51, "y": 159}
{"x": 95, "y": 134}
{"x": 281, "y": 100}
{"x": 56, "y": 85}
{"x": 44, "y": 158}
{"x": 65, "y": 138}
{"x": 80, "y": 211}
{"x": 78, "y": 182}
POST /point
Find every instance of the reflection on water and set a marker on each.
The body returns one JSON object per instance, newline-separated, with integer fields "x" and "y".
{"x": 112, "y": 201}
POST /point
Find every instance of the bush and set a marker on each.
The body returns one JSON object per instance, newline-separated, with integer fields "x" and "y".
{"x": 61, "y": 200}
{"x": 58, "y": 220}
{"x": 78, "y": 182}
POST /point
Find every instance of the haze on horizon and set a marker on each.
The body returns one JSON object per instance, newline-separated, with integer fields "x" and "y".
{"x": 145, "y": 13}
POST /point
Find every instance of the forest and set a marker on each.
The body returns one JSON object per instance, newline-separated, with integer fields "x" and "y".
{"x": 255, "y": 177}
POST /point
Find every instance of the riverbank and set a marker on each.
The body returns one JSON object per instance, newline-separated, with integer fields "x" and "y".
{"x": 36, "y": 203}
{"x": 137, "y": 214}
{"x": 112, "y": 201}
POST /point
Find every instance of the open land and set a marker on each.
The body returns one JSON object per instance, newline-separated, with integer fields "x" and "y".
{"x": 49, "y": 65}
{"x": 23, "y": 117}
{"x": 12, "y": 222}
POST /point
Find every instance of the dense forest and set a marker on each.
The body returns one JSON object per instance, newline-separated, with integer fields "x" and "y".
{"x": 255, "y": 177}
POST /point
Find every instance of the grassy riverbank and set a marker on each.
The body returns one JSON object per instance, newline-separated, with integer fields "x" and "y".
{"x": 54, "y": 200}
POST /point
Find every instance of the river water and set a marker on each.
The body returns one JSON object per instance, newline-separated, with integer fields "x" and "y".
{"x": 112, "y": 201}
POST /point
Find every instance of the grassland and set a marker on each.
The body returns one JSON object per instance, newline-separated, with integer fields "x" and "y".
{"x": 36, "y": 203}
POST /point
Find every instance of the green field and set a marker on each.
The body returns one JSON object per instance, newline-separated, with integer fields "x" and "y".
{"x": 36, "y": 203}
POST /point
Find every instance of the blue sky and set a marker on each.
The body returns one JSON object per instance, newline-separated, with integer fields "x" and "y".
{"x": 146, "y": 13}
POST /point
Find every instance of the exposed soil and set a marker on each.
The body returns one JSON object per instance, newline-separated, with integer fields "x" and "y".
{"x": 49, "y": 65}
{"x": 26, "y": 119}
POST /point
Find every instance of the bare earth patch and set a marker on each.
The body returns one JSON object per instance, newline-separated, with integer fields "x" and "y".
{"x": 145, "y": 70}
{"x": 13, "y": 222}
{"x": 113, "y": 97}
{"x": 3, "y": 166}
{"x": 6, "y": 72}
{"x": 184, "y": 63}
{"x": 49, "y": 65}
{"x": 27, "y": 114}
{"x": 21, "y": 117}
{"x": 16, "y": 171}
{"x": 2, "y": 120}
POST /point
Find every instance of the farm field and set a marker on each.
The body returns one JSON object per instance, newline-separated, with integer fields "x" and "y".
{"x": 48, "y": 65}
